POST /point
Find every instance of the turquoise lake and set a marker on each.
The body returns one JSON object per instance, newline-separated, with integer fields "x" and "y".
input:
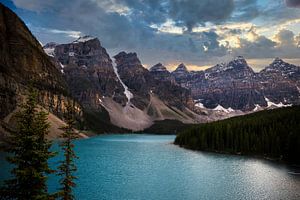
{"x": 150, "y": 167}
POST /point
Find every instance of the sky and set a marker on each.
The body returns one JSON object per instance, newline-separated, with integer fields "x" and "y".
{"x": 199, "y": 33}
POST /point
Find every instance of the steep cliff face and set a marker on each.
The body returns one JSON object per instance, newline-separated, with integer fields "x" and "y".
{"x": 143, "y": 82}
{"x": 280, "y": 82}
{"x": 89, "y": 72}
{"x": 23, "y": 62}
{"x": 230, "y": 85}
{"x": 136, "y": 78}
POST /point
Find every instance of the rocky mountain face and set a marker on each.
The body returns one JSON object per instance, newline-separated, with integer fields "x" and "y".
{"x": 23, "y": 62}
{"x": 135, "y": 77}
{"x": 280, "y": 82}
{"x": 143, "y": 82}
{"x": 123, "y": 93}
{"x": 236, "y": 86}
{"x": 181, "y": 75}
{"x": 88, "y": 71}
{"x": 160, "y": 72}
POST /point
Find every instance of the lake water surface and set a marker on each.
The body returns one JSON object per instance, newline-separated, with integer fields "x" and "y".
{"x": 138, "y": 167}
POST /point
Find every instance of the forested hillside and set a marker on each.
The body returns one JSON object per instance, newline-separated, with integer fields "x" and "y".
{"x": 271, "y": 133}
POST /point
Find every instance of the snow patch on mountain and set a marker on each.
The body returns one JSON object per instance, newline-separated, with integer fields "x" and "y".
{"x": 84, "y": 39}
{"x": 279, "y": 105}
{"x": 257, "y": 108}
{"x": 200, "y": 105}
{"x": 222, "y": 109}
{"x": 50, "y": 51}
{"x": 127, "y": 93}
{"x": 62, "y": 68}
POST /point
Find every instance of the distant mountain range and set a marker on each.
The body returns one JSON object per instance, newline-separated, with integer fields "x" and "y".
{"x": 122, "y": 95}
{"x": 235, "y": 85}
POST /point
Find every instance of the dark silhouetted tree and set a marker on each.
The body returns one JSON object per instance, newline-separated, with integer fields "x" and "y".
{"x": 29, "y": 152}
{"x": 67, "y": 166}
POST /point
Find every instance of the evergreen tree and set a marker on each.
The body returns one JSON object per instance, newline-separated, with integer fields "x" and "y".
{"x": 29, "y": 153}
{"x": 270, "y": 133}
{"x": 67, "y": 166}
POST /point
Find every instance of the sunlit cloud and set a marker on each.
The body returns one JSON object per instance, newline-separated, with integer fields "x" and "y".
{"x": 73, "y": 34}
{"x": 113, "y": 6}
{"x": 168, "y": 27}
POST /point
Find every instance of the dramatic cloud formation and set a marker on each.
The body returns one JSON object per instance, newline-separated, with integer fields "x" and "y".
{"x": 198, "y": 33}
{"x": 195, "y": 12}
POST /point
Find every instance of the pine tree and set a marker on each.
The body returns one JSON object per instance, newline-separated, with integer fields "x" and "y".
{"x": 67, "y": 166}
{"x": 29, "y": 153}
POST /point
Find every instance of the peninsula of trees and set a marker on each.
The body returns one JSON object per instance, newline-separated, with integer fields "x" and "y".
{"x": 272, "y": 133}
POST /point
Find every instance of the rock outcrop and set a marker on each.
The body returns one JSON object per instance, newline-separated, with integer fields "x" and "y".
{"x": 23, "y": 63}
{"x": 88, "y": 71}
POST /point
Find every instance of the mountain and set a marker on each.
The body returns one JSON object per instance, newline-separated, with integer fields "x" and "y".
{"x": 280, "y": 82}
{"x": 121, "y": 94}
{"x": 160, "y": 72}
{"x": 143, "y": 82}
{"x": 88, "y": 71}
{"x": 135, "y": 77}
{"x": 181, "y": 75}
{"x": 23, "y": 63}
{"x": 230, "y": 85}
{"x": 236, "y": 86}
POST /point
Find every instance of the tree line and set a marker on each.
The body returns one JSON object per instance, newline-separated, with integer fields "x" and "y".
{"x": 29, "y": 151}
{"x": 270, "y": 133}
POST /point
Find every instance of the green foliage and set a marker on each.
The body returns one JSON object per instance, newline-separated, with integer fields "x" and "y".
{"x": 29, "y": 153}
{"x": 271, "y": 133}
{"x": 67, "y": 166}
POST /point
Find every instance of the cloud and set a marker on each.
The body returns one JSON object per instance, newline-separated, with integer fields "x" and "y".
{"x": 261, "y": 47}
{"x": 197, "y": 32}
{"x": 293, "y": 3}
{"x": 194, "y": 12}
{"x": 245, "y": 10}
{"x": 297, "y": 39}
{"x": 258, "y": 46}
{"x": 285, "y": 38}
{"x": 33, "y": 5}
{"x": 277, "y": 12}
{"x": 288, "y": 44}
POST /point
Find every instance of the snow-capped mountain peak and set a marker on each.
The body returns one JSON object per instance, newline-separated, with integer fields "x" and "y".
{"x": 84, "y": 39}
{"x": 49, "y": 48}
